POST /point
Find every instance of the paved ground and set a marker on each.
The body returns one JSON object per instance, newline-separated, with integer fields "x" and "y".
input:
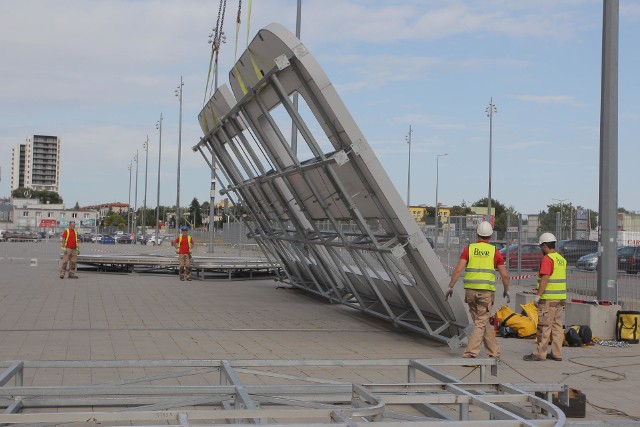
{"x": 119, "y": 317}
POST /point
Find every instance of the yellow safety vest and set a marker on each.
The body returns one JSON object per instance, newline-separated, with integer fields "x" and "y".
{"x": 66, "y": 239}
{"x": 557, "y": 286}
{"x": 480, "y": 272}
{"x": 180, "y": 242}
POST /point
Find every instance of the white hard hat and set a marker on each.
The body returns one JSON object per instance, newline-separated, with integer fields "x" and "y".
{"x": 484, "y": 229}
{"x": 546, "y": 238}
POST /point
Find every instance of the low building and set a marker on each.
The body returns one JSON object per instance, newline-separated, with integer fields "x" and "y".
{"x": 31, "y": 214}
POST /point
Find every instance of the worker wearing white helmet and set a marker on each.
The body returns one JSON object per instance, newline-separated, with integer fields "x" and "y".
{"x": 479, "y": 261}
{"x": 551, "y": 296}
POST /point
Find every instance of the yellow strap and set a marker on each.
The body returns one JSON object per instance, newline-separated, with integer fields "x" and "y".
{"x": 248, "y": 20}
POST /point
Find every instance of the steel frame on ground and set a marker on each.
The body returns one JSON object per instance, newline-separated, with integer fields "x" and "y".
{"x": 418, "y": 392}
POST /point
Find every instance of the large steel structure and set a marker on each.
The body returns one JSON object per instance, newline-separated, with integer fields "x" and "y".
{"x": 297, "y": 203}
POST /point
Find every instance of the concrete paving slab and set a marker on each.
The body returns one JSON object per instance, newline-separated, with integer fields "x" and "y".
{"x": 104, "y": 316}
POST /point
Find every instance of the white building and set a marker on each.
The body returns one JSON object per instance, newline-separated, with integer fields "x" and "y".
{"x": 36, "y": 164}
{"x": 33, "y": 215}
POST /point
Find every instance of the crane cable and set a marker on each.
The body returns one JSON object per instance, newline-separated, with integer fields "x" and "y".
{"x": 218, "y": 38}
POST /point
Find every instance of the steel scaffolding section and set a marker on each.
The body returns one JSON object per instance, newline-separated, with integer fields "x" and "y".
{"x": 418, "y": 392}
{"x": 386, "y": 268}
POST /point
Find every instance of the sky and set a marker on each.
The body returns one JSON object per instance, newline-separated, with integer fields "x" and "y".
{"x": 99, "y": 74}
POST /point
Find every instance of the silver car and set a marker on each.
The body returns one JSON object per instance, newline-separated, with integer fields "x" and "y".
{"x": 588, "y": 262}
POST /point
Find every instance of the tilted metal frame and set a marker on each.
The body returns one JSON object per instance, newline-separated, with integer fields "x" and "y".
{"x": 386, "y": 268}
{"x": 418, "y": 392}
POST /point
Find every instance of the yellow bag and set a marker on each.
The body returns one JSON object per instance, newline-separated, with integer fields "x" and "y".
{"x": 531, "y": 311}
{"x": 523, "y": 325}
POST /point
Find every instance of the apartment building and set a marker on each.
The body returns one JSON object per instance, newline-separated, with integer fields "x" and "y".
{"x": 36, "y": 164}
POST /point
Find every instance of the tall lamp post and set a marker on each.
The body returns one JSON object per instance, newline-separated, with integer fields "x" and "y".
{"x": 408, "y": 138}
{"x": 159, "y": 127}
{"x": 560, "y": 227}
{"x": 490, "y": 110}
{"x": 145, "y": 145}
{"x": 129, "y": 203}
{"x": 135, "y": 202}
{"x": 178, "y": 93}
{"x": 437, "y": 178}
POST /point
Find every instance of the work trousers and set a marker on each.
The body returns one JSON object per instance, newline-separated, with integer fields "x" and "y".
{"x": 70, "y": 256}
{"x": 550, "y": 328}
{"x": 480, "y": 306}
{"x": 185, "y": 265}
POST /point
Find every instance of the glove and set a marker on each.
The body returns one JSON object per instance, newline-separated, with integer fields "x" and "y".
{"x": 448, "y": 294}
{"x": 77, "y": 251}
{"x": 507, "y": 296}
{"x": 536, "y": 300}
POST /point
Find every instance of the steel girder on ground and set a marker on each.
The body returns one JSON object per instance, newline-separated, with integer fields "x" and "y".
{"x": 416, "y": 392}
{"x": 386, "y": 268}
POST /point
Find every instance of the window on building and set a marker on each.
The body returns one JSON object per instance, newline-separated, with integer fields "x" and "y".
{"x": 25, "y": 213}
{"x": 62, "y": 215}
{"x": 86, "y": 215}
{"x": 74, "y": 215}
{"x": 38, "y": 214}
{"x": 49, "y": 215}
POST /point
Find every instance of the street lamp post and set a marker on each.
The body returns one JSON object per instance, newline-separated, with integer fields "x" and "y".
{"x": 178, "y": 93}
{"x": 146, "y": 168}
{"x": 159, "y": 127}
{"x": 559, "y": 231}
{"x": 408, "y": 138}
{"x": 135, "y": 202}
{"x": 437, "y": 178}
{"x": 490, "y": 110}
{"x": 129, "y": 202}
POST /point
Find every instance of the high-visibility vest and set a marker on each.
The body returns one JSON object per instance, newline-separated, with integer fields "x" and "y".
{"x": 557, "y": 286}
{"x": 480, "y": 272}
{"x": 180, "y": 242}
{"x": 66, "y": 239}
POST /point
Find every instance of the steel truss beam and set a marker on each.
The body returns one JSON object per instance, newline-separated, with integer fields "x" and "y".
{"x": 419, "y": 392}
{"x": 384, "y": 266}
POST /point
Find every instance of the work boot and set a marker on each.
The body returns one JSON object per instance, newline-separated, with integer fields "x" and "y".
{"x": 73, "y": 277}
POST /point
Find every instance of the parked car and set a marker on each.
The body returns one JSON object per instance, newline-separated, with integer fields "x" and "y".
{"x": 499, "y": 245}
{"x": 531, "y": 256}
{"x": 629, "y": 259}
{"x": 572, "y": 250}
{"x": 107, "y": 240}
{"x": 20, "y": 236}
{"x": 429, "y": 239}
{"x": 588, "y": 262}
{"x": 85, "y": 237}
{"x": 123, "y": 238}
{"x": 96, "y": 238}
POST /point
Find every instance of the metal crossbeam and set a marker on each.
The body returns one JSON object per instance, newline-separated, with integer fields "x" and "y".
{"x": 298, "y": 201}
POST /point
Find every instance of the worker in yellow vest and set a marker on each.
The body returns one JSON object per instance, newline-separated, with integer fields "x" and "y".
{"x": 69, "y": 244}
{"x": 550, "y": 298}
{"x": 479, "y": 261}
{"x": 183, "y": 244}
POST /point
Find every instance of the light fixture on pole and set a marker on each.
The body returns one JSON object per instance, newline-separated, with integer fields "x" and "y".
{"x": 159, "y": 127}
{"x": 178, "y": 93}
{"x": 408, "y": 138}
{"x": 135, "y": 202}
{"x": 146, "y": 168}
{"x": 129, "y": 202}
{"x": 437, "y": 178}
{"x": 559, "y": 228}
{"x": 490, "y": 110}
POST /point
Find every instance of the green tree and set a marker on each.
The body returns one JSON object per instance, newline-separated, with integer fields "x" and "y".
{"x": 194, "y": 212}
{"x": 501, "y": 212}
{"x": 548, "y": 219}
{"x": 115, "y": 220}
{"x": 43, "y": 195}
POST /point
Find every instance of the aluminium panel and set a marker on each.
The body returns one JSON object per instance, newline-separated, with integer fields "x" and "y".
{"x": 384, "y": 266}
